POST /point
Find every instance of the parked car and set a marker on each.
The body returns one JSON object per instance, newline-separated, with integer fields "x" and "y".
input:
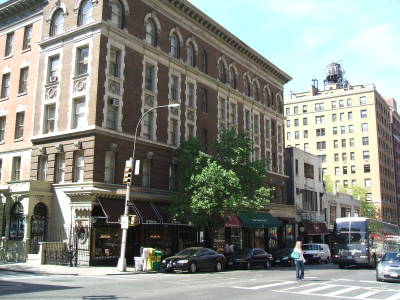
{"x": 282, "y": 257}
{"x": 389, "y": 267}
{"x": 317, "y": 253}
{"x": 249, "y": 258}
{"x": 194, "y": 259}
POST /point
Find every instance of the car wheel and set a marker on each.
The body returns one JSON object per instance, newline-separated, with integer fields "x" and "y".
{"x": 341, "y": 266}
{"x": 267, "y": 264}
{"x": 193, "y": 268}
{"x": 248, "y": 265}
{"x": 218, "y": 266}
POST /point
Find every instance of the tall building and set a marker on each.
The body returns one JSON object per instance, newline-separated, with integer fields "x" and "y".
{"x": 20, "y": 33}
{"x": 395, "y": 124}
{"x": 348, "y": 127}
{"x": 102, "y": 64}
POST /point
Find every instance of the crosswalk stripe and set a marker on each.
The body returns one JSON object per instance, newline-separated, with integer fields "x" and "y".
{"x": 320, "y": 288}
{"x": 342, "y": 291}
{"x": 263, "y": 286}
{"x": 393, "y": 297}
{"x": 367, "y": 294}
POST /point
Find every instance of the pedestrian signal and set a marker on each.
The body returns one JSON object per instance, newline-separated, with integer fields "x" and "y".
{"x": 133, "y": 220}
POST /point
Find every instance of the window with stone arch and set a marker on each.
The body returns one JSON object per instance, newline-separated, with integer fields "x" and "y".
{"x": 247, "y": 86}
{"x": 151, "y": 32}
{"x": 267, "y": 96}
{"x": 17, "y": 222}
{"x": 279, "y": 103}
{"x": 117, "y": 13}
{"x": 191, "y": 54}
{"x": 175, "y": 45}
{"x": 256, "y": 91}
{"x": 85, "y": 12}
{"x": 57, "y": 22}
{"x": 232, "y": 77}
{"x": 221, "y": 71}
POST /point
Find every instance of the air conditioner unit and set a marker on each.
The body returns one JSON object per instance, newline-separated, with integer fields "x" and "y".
{"x": 53, "y": 79}
{"x": 115, "y": 102}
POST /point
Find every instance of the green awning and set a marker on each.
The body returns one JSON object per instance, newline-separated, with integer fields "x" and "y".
{"x": 258, "y": 220}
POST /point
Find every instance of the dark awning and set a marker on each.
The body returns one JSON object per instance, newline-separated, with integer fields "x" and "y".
{"x": 146, "y": 213}
{"x": 113, "y": 208}
{"x": 232, "y": 221}
{"x": 258, "y": 220}
{"x": 315, "y": 228}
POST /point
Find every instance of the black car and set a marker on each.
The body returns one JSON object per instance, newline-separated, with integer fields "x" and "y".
{"x": 194, "y": 259}
{"x": 282, "y": 257}
{"x": 249, "y": 258}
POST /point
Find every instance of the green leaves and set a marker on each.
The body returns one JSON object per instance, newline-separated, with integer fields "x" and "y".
{"x": 228, "y": 181}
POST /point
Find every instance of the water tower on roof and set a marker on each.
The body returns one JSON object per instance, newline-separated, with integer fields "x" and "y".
{"x": 335, "y": 77}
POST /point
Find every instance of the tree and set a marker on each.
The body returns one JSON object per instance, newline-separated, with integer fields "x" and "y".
{"x": 367, "y": 209}
{"x": 328, "y": 184}
{"x": 210, "y": 186}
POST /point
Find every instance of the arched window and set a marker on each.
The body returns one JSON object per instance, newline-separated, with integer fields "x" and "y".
{"x": 255, "y": 92}
{"x": 247, "y": 87}
{"x": 174, "y": 45}
{"x": 191, "y": 56}
{"x": 85, "y": 12}
{"x": 221, "y": 72}
{"x": 151, "y": 33}
{"x": 205, "y": 62}
{"x": 267, "y": 95}
{"x": 232, "y": 78}
{"x": 17, "y": 222}
{"x": 117, "y": 13}
{"x": 57, "y": 22}
{"x": 38, "y": 227}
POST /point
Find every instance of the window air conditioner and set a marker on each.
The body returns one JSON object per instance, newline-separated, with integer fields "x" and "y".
{"x": 115, "y": 102}
{"x": 53, "y": 79}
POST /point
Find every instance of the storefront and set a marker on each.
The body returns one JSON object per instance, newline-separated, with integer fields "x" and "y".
{"x": 155, "y": 230}
{"x": 260, "y": 230}
{"x": 313, "y": 232}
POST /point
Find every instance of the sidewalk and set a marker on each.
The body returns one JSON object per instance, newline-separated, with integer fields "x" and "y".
{"x": 64, "y": 270}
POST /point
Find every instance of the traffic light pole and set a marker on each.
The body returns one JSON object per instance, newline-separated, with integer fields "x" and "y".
{"x": 124, "y": 224}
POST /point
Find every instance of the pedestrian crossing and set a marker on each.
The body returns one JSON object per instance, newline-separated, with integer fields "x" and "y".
{"x": 336, "y": 289}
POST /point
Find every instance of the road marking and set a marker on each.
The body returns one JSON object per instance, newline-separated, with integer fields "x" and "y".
{"x": 394, "y": 297}
{"x": 368, "y": 294}
{"x": 263, "y": 286}
{"x": 342, "y": 291}
{"x": 320, "y": 288}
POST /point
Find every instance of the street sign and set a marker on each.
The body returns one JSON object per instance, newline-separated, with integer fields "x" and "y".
{"x": 124, "y": 222}
{"x": 137, "y": 167}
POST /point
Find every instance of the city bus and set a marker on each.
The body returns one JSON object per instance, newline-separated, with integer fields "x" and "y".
{"x": 362, "y": 241}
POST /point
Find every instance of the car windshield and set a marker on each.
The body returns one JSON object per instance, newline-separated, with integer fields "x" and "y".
{"x": 310, "y": 247}
{"x": 392, "y": 256}
{"x": 187, "y": 252}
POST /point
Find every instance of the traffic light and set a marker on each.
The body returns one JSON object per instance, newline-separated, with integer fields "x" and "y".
{"x": 128, "y": 175}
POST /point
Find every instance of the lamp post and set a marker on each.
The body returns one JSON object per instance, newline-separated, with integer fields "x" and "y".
{"x": 122, "y": 260}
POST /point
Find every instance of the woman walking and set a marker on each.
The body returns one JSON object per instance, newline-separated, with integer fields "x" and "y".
{"x": 299, "y": 260}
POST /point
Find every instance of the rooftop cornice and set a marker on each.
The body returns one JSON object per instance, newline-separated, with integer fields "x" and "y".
{"x": 14, "y": 7}
{"x": 224, "y": 35}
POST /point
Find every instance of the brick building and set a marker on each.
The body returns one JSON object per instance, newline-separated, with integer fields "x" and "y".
{"x": 102, "y": 65}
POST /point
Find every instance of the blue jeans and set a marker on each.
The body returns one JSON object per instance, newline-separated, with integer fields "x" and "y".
{"x": 299, "y": 269}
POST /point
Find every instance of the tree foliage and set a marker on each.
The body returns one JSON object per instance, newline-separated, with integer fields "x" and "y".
{"x": 211, "y": 185}
{"x": 367, "y": 209}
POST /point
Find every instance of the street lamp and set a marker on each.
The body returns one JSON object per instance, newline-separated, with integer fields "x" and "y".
{"x": 124, "y": 219}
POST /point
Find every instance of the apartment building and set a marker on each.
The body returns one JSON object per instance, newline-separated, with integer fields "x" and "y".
{"x": 306, "y": 191}
{"x": 20, "y": 31}
{"x": 102, "y": 65}
{"x": 395, "y": 124}
{"x": 348, "y": 127}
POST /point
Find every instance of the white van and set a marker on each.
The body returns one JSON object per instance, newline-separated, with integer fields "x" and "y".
{"x": 317, "y": 253}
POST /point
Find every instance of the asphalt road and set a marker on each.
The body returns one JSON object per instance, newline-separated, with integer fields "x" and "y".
{"x": 321, "y": 282}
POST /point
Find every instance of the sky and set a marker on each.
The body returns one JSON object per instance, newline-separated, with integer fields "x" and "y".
{"x": 302, "y": 37}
